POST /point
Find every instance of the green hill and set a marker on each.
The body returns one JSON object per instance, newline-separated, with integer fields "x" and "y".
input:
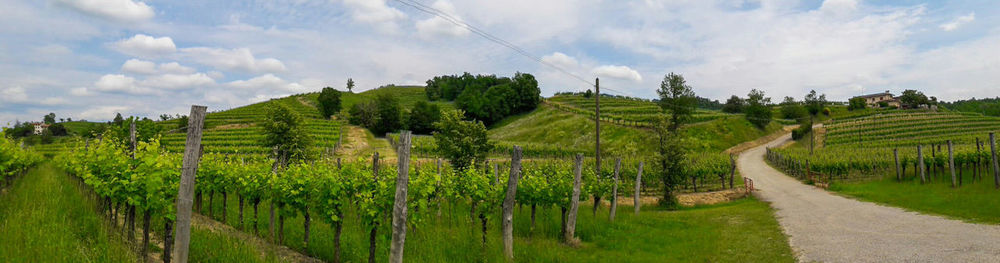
{"x": 905, "y": 128}
{"x": 623, "y": 110}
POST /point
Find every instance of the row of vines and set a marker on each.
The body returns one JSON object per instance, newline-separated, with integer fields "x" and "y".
{"x": 14, "y": 160}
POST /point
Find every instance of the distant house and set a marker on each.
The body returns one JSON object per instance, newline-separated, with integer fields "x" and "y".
{"x": 40, "y": 127}
{"x": 873, "y": 100}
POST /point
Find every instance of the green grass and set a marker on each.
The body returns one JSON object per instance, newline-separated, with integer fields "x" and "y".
{"x": 973, "y": 201}
{"x": 407, "y": 95}
{"x": 208, "y": 246}
{"x": 739, "y": 231}
{"x": 45, "y": 218}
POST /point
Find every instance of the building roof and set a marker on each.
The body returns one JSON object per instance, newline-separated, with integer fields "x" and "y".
{"x": 880, "y": 94}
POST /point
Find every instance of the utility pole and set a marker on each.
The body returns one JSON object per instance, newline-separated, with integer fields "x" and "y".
{"x": 597, "y": 114}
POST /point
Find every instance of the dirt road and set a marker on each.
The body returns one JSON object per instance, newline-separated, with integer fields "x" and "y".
{"x": 823, "y": 227}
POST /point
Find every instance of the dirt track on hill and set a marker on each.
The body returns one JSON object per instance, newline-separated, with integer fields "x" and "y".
{"x": 823, "y": 227}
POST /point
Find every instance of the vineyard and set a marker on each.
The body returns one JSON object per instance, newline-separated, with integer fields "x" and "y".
{"x": 622, "y": 110}
{"x": 909, "y": 129}
{"x": 14, "y": 160}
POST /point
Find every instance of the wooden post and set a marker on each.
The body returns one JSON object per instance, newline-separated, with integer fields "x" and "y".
{"x": 399, "y": 208}
{"x": 732, "y": 169}
{"x": 895, "y": 154}
{"x": 507, "y": 224}
{"x": 374, "y": 231}
{"x": 185, "y": 194}
{"x": 574, "y": 202}
{"x": 132, "y": 138}
{"x": 951, "y": 165}
{"x": 638, "y": 185}
{"x": 597, "y": 112}
{"x": 920, "y": 162}
{"x": 996, "y": 166}
{"x": 614, "y": 190}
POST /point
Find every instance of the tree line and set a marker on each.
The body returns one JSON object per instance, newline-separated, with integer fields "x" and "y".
{"x": 487, "y": 98}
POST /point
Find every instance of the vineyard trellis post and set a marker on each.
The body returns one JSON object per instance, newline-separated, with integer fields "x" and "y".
{"x": 638, "y": 186}
{"x": 996, "y": 166}
{"x": 130, "y": 214}
{"x": 920, "y": 163}
{"x": 732, "y": 169}
{"x": 895, "y": 154}
{"x": 574, "y": 201}
{"x": 614, "y": 190}
{"x": 185, "y": 193}
{"x": 951, "y": 165}
{"x": 597, "y": 123}
{"x": 399, "y": 208}
{"x": 508, "y": 203}
{"x": 374, "y": 231}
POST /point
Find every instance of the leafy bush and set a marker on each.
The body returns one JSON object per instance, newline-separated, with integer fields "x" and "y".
{"x": 329, "y": 102}
{"x": 422, "y": 117}
{"x": 487, "y": 98}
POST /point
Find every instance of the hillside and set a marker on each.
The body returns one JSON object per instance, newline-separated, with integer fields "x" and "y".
{"x": 910, "y": 128}
{"x": 625, "y": 111}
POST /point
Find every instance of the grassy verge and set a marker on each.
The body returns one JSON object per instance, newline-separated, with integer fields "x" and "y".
{"x": 740, "y": 231}
{"x": 45, "y": 218}
{"x": 973, "y": 201}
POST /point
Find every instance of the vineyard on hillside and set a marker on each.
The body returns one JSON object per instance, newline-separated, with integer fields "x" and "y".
{"x": 621, "y": 110}
{"x": 909, "y": 129}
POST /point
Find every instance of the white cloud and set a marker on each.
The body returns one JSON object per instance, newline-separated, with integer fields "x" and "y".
{"x": 618, "y": 72}
{"x": 52, "y": 101}
{"x": 121, "y": 84}
{"x": 14, "y": 94}
{"x": 959, "y": 21}
{"x": 120, "y": 10}
{"x": 139, "y": 67}
{"x": 839, "y": 6}
{"x": 178, "y": 81}
{"x": 81, "y": 91}
{"x": 240, "y": 59}
{"x": 376, "y": 13}
{"x": 437, "y": 26}
{"x": 268, "y": 82}
{"x": 561, "y": 60}
{"x": 102, "y": 112}
{"x": 145, "y": 46}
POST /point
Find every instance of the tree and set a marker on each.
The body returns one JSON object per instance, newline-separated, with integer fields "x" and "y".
{"x": 49, "y": 118}
{"x": 182, "y": 122}
{"x": 118, "y": 119}
{"x": 461, "y": 142}
{"x": 69, "y": 119}
{"x": 758, "y": 110}
{"x": 145, "y": 130}
{"x": 329, "y": 101}
{"x": 422, "y": 117}
{"x": 815, "y": 104}
{"x": 283, "y": 131}
{"x": 350, "y": 85}
{"x": 364, "y": 114}
{"x": 588, "y": 94}
{"x": 734, "y": 105}
{"x": 912, "y": 98}
{"x": 670, "y": 157}
{"x": 792, "y": 110}
{"x": 164, "y": 117}
{"x": 58, "y": 129}
{"x": 389, "y": 114}
{"x": 677, "y": 98}
{"x": 856, "y": 103}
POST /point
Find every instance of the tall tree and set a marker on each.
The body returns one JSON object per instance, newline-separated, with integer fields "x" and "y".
{"x": 677, "y": 98}
{"x": 912, "y": 98}
{"x": 758, "y": 110}
{"x": 463, "y": 143}
{"x": 734, "y": 105}
{"x": 329, "y": 102}
{"x": 815, "y": 104}
{"x": 670, "y": 156}
{"x": 118, "y": 119}
{"x": 350, "y": 85}
{"x": 422, "y": 117}
{"x": 284, "y": 132}
{"x": 790, "y": 109}
{"x": 389, "y": 114}
{"x": 856, "y": 103}
{"x": 49, "y": 118}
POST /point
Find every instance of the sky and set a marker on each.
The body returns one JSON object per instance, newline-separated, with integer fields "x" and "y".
{"x": 90, "y": 59}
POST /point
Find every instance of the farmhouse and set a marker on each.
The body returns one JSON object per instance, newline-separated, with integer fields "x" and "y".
{"x": 40, "y": 127}
{"x": 873, "y": 100}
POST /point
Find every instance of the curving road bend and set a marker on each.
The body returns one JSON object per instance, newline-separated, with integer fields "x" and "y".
{"x": 823, "y": 227}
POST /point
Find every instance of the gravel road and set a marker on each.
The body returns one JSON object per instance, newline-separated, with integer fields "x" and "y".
{"x": 823, "y": 227}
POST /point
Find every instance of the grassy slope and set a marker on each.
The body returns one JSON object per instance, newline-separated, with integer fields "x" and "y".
{"x": 45, "y": 218}
{"x": 407, "y": 95}
{"x": 739, "y": 231}
{"x": 972, "y": 201}
{"x": 547, "y": 126}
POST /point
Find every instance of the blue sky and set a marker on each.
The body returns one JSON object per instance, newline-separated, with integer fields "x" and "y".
{"x": 88, "y": 59}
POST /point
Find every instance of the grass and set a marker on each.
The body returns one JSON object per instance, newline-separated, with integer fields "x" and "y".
{"x": 739, "y": 231}
{"x": 208, "y": 246}
{"x": 45, "y": 218}
{"x": 972, "y": 202}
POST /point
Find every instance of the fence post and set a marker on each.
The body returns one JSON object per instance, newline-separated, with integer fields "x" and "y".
{"x": 399, "y": 208}
{"x": 185, "y": 194}
{"x": 996, "y": 167}
{"x": 508, "y": 203}
{"x": 638, "y": 185}
{"x": 920, "y": 163}
{"x": 614, "y": 190}
{"x": 951, "y": 165}
{"x": 732, "y": 169}
{"x": 574, "y": 202}
{"x": 895, "y": 154}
